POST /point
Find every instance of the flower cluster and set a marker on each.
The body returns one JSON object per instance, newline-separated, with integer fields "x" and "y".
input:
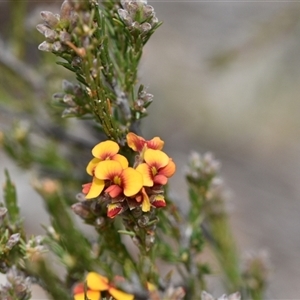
{"x": 138, "y": 15}
{"x": 58, "y": 30}
{"x": 140, "y": 105}
{"x": 54, "y": 28}
{"x": 95, "y": 285}
{"x": 17, "y": 285}
{"x": 122, "y": 186}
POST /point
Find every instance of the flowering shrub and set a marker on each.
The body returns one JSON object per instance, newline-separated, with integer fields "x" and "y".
{"x": 138, "y": 225}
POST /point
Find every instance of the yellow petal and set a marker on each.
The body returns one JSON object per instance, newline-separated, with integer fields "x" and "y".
{"x": 169, "y": 169}
{"x": 97, "y": 282}
{"x": 96, "y": 188}
{"x": 145, "y": 170}
{"x": 108, "y": 169}
{"x": 146, "y": 202}
{"x": 119, "y": 295}
{"x": 105, "y": 150}
{"x": 132, "y": 181}
{"x": 135, "y": 142}
{"x": 156, "y": 158}
{"x": 121, "y": 159}
{"x": 156, "y": 143}
{"x": 91, "y": 295}
{"x": 91, "y": 165}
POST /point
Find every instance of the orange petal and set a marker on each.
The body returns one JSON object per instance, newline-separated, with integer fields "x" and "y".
{"x": 121, "y": 159}
{"x": 105, "y": 150}
{"x": 108, "y": 169}
{"x": 91, "y": 295}
{"x": 169, "y": 169}
{"x": 135, "y": 142}
{"x": 96, "y": 188}
{"x": 160, "y": 179}
{"x": 156, "y": 143}
{"x": 113, "y": 209}
{"x": 97, "y": 282}
{"x": 156, "y": 158}
{"x": 145, "y": 170}
{"x": 159, "y": 201}
{"x": 91, "y": 165}
{"x": 132, "y": 181}
{"x": 78, "y": 288}
{"x": 120, "y": 295}
{"x": 146, "y": 202}
{"x": 86, "y": 188}
{"x": 114, "y": 190}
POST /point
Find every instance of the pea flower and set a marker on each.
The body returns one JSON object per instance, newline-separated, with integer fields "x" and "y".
{"x": 107, "y": 150}
{"x": 104, "y": 151}
{"x": 157, "y": 168}
{"x": 97, "y": 284}
{"x": 138, "y": 143}
{"x": 122, "y": 181}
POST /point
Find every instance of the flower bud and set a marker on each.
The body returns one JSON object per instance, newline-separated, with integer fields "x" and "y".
{"x": 50, "y": 35}
{"x": 57, "y": 46}
{"x": 45, "y": 46}
{"x": 69, "y": 112}
{"x": 148, "y": 11}
{"x": 81, "y": 210}
{"x": 145, "y": 27}
{"x": 66, "y": 10}
{"x": 100, "y": 222}
{"x": 51, "y": 19}
{"x": 3, "y": 213}
{"x": 42, "y": 28}
{"x": 13, "y": 240}
{"x": 143, "y": 221}
{"x": 69, "y": 100}
{"x": 64, "y": 36}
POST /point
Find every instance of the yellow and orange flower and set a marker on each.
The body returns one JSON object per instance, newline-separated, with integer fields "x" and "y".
{"x": 157, "y": 168}
{"x": 96, "y": 284}
{"x": 107, "y": 150}
{"x": 104, "y": 151}
{"x": 126, "y": 181}
{"x": 138, "y": 143}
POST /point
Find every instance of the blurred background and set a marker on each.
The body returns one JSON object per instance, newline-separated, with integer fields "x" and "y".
{"x": 225, "y": 78}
